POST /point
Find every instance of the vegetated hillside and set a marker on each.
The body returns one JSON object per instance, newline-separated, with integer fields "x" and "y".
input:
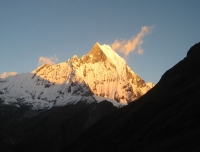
{"x": 167, "y": 118}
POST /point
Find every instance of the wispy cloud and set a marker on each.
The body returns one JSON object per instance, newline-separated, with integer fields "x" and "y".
{"x": 47, "y": 60}
{"x": 7, "y": 74}
{"x": 140, "y": 51}
{"x": 132, "y": 44}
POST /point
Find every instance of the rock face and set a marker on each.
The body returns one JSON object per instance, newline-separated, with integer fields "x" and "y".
{"x": 100, "y": 73}
{"x": 165, "y": 119}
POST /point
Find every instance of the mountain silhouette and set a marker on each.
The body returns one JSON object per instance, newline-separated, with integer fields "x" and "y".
{"x": 167, "y": 118}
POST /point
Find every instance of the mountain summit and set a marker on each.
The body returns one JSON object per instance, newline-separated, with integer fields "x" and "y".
{"x": 54, "y": 104}
{"x": 95, "y": 55}
{"x": 101, "y": 74}
{"x": 163, "y": 120}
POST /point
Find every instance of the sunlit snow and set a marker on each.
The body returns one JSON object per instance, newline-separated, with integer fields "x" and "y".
{"x": 75, "y": 80}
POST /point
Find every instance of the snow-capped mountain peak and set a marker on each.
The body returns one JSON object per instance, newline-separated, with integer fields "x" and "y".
{"x": 100, "y": 53}
{"x": 100, "y": 74}
{"x": 111, "y": 54}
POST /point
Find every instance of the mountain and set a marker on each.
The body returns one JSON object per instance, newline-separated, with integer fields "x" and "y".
{"x": 54, "y": 104}
{"x": 23, "y": 129}
{"x": 99, "y": 75}
{"x": 166, "y": 118}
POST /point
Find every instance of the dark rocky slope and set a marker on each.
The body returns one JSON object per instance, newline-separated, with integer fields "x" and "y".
{"x": 167, "y": 118}
{"x": 47, "y": 130}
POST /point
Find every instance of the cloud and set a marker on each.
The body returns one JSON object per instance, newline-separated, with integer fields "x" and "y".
{"x": 47, "y": 60}
{"x": 140, "y": 51}
{"x": 132, "y": 44}
{"x": 5, "y": 74}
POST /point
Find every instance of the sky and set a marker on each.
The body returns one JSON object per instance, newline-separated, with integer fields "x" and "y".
{"x": 151, "y": 35}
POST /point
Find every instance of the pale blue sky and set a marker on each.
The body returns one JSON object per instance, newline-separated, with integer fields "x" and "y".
{"x": 30, "y": 29}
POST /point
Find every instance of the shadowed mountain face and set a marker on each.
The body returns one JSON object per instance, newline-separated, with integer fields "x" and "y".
{"x": 48, "y": 130}
{"x": 167, "y": 118}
